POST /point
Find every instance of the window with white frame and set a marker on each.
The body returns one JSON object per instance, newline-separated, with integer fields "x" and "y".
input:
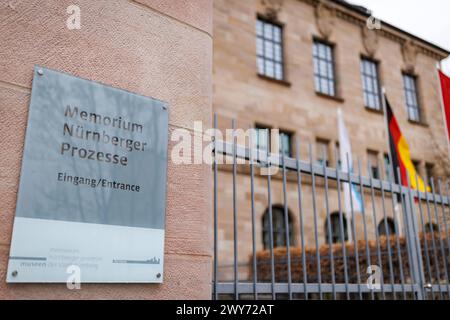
{"x": 371, "y": 84}
{"x": 412, "y": 100}
{"x": 269, "y": 49}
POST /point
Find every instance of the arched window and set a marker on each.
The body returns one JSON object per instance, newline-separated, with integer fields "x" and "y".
{"x": 279, "y": 228}
{"x": 336, "y": 228}
{"x": 431, "y": 227}
{"x": 386, "y": 225}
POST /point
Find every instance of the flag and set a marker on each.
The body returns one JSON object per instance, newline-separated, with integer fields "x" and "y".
{"x": 400, "y": 154}
{"x": 445, "y": 90}
{"x": 351, "y": 194}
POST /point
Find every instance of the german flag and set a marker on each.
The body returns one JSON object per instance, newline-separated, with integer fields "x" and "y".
{"x": 401, "y": 156}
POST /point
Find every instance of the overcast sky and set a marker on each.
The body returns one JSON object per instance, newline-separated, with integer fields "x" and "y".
{"x": 427, "y": 19}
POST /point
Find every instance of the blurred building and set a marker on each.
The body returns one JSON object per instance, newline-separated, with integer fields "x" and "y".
{"x": 290, "y": 64}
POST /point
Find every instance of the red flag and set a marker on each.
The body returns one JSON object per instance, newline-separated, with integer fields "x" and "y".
{"x": 445, "y": 89}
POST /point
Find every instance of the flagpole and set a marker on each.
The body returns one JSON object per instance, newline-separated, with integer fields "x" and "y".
{"x": 348, "y": 217}
{"x": 391, "y": 163}
{"x": 441, "y": 100}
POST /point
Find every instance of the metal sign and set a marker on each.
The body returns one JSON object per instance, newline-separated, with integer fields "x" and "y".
{"x": 93, "y": 184}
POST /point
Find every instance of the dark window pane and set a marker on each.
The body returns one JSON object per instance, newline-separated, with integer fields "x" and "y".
{"x": 335, "y": 228}
{"x": 412, "y": 104}
{"x": 278, "y": 228}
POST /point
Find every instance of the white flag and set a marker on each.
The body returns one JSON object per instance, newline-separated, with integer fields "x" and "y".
{"x": 346, "y": 154}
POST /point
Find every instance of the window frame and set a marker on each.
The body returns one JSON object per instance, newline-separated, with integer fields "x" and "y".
{"x": 264, "y": 74}
{"x": 375, "y": 154}
{"x": 278, "y": 228}
{"x": 259, "y": 127}
{"x": 372, "y": 77}
{"x": 289, "y": 134}
{"x": 319, "y": 156}
{"x": 416, "y": 108}
{"x": 334, "y": 219}
{"x": 317, "y": 74}
{"x": 391, "y": 226}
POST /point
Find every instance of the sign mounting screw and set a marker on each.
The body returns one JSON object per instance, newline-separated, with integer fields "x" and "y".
{"x": 40, "y": 72}
{"x": 14, "y": 273}
{"x": 158, "y": 275}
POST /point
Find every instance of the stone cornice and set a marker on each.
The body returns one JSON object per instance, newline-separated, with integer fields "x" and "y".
{"x": 388, "y": 31}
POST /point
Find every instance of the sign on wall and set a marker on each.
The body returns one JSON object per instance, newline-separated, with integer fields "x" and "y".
{"x": 93, "y": 184}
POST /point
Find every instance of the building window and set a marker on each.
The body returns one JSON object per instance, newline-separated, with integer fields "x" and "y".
{"x": 278, "y": 228}
{"x": 412, "y": 101}
{"x": 262, "y": 139}
{"x": 385, "y": 226}
{"x": 322, "y": 151}
{"x": 372, "y": 158}
{"x": 429, "y": 168}
{"x": 371, "y": 84}
{"x": 285, "y": 144}
{"x": 431, "y": 227}
{"x": 387, "y": 168}
{"x": 335, "y": 228}
{"x": 269, "y": 49}
{"x": 324, "y": 78}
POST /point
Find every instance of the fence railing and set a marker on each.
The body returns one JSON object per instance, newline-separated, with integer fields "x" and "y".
{"x": 286, "y": 235}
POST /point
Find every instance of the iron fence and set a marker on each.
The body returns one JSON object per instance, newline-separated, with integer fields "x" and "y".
{"x": 405, "y": 256}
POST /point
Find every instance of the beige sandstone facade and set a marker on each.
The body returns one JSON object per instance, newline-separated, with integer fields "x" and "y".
{"x": 294, "y": 106}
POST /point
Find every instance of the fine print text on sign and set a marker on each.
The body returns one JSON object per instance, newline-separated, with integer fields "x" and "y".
{"x": 93, "y": 184}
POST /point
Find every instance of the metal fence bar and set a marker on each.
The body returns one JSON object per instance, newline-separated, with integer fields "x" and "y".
{"x": 269, "y": 195}
{"x": 388, "y": 239}
{"x": 252, "y": 199}
{"x": 354, "y": 237}
{"x": 341, "y": 225}
{"x": 407, "y": 227}
{"x": 286, "y": 225}
{"x": 328, "y": 225}
{"x": 433, "y": 244}
{"x": 397, "y": 235}
{"x": 443, "y": 255}
{"x": 266, "y": 288}
{"x": 361, "y": 190}
{"x": 316, "y": 238}
{"x": 300, "y": 210}
{"x": 216, "y": 244}
{"x": 416, "y": 247}
{"x": 377, "y": 237}
{"x": 425, "y": 241}
{"x": 235, "y": 225}
{"x": 444, "y": 218}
